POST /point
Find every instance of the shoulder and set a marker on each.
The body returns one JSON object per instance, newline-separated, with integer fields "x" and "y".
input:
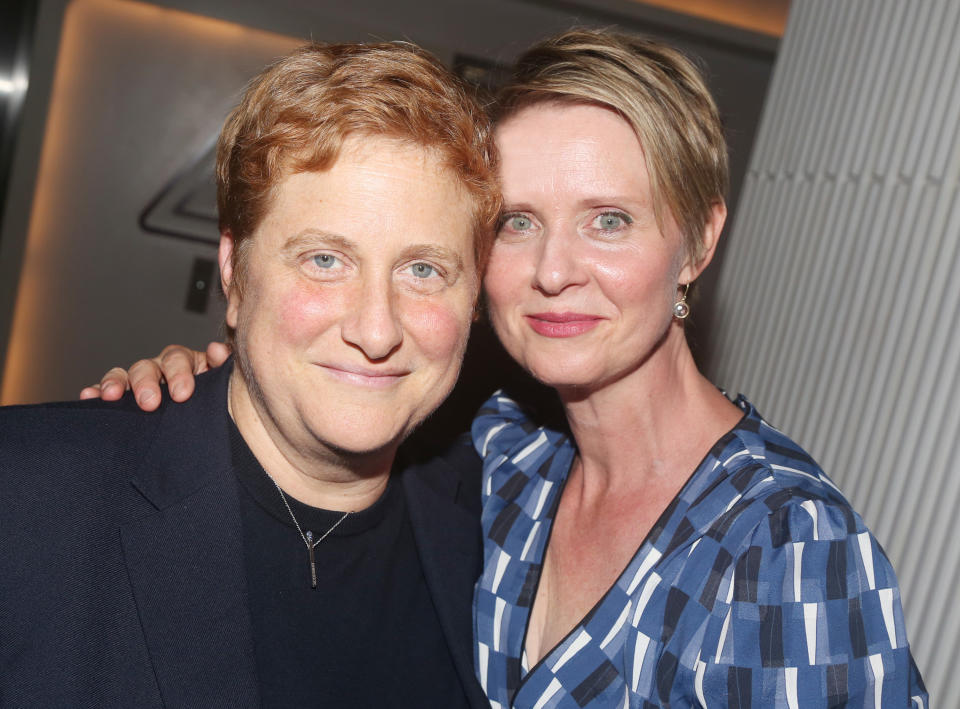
{"x": 770, "y": 470}
{"x": 802, "y": 541}
{"x": 500, "y": 425}
{"x": 753, "y": 478}
{"x": 503, "y": 430}
{"x": 83, "y": 444}
{"x": 520, "y": 458}
{"x": 65, "y": 472}
{"x": 65, "y": 468}
{"x": 764, "y": 510}
{"x": 63, "y": 431}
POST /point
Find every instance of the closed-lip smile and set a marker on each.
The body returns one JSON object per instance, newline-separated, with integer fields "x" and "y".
{"x": 565, "y": 324}
{"x": 365, "y": 376}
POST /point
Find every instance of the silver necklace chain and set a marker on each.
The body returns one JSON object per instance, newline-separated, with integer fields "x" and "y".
{"x": 308, "y": 537}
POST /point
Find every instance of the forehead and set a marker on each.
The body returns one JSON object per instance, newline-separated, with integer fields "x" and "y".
{"x": 556, "y": 147}
{"x": 380, "y": 192}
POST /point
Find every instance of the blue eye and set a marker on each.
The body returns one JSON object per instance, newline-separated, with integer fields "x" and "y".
{"x": 611, "y": 221}
{"x": 516, "y": 222}
{"x": 325, "y": 261}
{"x": 422, "y": 270}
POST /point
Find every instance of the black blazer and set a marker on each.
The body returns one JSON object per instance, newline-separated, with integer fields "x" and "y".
{"x": 122, "y": 579}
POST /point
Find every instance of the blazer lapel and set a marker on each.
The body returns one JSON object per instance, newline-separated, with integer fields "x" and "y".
{"x": 448, "y": 542}
{"x": 186, "y": 560}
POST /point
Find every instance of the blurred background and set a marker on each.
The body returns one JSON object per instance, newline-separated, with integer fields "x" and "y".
{"x": 109, "y": 233}
{"x": 832, "y": 302}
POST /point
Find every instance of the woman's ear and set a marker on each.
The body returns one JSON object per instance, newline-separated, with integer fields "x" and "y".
{"x": 225, "y": 258}
{"x": 711, "y": 237}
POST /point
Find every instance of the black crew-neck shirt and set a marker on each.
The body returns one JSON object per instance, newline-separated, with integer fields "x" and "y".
{"x": 368, "y": 635}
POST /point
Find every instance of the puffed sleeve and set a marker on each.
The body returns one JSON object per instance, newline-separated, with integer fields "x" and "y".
{"x": 500, "y": 430}
{"x": 811, "y": 617}
{"x": 498, "y": 426}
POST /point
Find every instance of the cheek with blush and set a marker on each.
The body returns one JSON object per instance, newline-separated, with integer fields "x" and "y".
{"x": 507, "y": 281}
{"x": 302, "y": 313}
{"x": 441, "y": 330}
{"x": 640, "y": 281}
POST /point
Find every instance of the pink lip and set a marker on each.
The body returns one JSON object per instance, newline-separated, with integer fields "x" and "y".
{"x": 366, "y": 377}
{"x": 562, "y": 324}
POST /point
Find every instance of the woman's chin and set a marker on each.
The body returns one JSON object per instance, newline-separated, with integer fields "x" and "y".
{"x": 565, "y": 379}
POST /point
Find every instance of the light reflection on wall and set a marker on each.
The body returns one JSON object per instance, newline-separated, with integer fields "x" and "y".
{"x": 15, "y": 84}
{"x": 65, "y": 158}
{"x": 764, "y": 16}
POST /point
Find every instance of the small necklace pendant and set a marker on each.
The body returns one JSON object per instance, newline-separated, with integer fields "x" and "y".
{"x": 308, "y": 536}
{"x": 313, "y": 561}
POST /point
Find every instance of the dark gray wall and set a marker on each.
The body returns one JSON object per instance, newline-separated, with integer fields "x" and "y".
{"x": 98, "y": 289}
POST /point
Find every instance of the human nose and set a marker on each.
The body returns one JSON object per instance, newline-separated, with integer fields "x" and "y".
{"x": 373, "y": 326}
{"x": 558, "y": 265}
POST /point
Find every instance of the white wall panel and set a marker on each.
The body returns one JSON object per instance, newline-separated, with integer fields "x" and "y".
{"x": 838, "y": 302}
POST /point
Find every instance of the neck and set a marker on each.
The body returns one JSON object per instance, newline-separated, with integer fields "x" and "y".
{"x": 307, "y": 470}
{"x": 651, "y": 427}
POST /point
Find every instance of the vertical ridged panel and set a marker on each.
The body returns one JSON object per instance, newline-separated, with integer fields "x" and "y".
{"x": 838, "y": 299}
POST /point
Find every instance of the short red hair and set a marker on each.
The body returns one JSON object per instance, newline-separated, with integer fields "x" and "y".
{"x": 298, "y": 112}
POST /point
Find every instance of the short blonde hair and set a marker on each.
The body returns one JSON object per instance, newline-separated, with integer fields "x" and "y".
{"x": 298, "y": 112}
{"x": 658, "y": 91}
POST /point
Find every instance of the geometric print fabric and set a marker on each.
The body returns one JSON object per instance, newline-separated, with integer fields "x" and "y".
{"x": 758, "y": 586}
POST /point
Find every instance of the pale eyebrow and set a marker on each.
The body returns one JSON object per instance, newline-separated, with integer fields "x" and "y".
{"x": 588, "y": 201}
{"x": 434, "y": 253}
{"x": 507, "y": 208}
{"x": 314, "y": 237}
{"x": 627, "y": 200}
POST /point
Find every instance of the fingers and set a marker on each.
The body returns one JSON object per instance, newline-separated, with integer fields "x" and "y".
{"x": 177, "y": 365}
{"x": 112, "y": 386}
{"x": 217, "y": 353}
{"x": 90, "y": 392}
{"x": 144, "y": 379}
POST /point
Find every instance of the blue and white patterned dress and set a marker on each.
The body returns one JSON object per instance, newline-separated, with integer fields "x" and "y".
{"x": 759, "y": 586}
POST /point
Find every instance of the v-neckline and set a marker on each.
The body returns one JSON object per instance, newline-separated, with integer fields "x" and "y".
{"x": 659, "y": 526}
{"x": 551, "y": 517}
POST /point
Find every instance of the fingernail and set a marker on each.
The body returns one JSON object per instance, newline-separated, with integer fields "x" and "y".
{"x": 176, "y": 389}
{"x": 146, "y": 397}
